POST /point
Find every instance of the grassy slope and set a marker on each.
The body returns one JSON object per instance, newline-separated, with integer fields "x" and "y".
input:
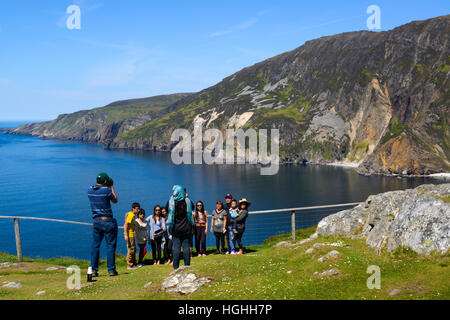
{"x": 261, "y": 274}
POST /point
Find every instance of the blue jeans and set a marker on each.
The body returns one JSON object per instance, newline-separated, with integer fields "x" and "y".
{"x": 178, "y": 243}
{"x": 230, "y": 239}
{"x": 104, "y": 229}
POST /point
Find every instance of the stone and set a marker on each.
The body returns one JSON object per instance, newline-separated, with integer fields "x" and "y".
{"x": 289, "y": 272}
{"x": 52, "y": 269}
{"x": 283, "y": 244}
{"x": 329, "y": 255}
{"x": 418, "y": 219}
{"x": 147, "y": 284}
{"x": 41, "y": 293}
{"x": 183, "y": 283}
{"x": 13, "y": 285}
{"x": 314, "y": 236}
{"x": 309, "y": 251}
{"x": 394, "y": 292}
{"x": 318, "y": 245}
{"x": 326, "y": 273}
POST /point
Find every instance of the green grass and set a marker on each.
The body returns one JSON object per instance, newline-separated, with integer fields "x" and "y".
{"x": 260, "y": 274}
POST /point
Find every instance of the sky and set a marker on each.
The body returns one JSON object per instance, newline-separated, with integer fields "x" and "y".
{"x": 141, "y": 48}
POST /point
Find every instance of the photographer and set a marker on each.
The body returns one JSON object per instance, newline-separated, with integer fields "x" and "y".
{"x": 105, "y": 226}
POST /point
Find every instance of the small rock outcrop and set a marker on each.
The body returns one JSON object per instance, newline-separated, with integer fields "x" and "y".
{"x": 329, "y": 255}
{"x": 13, "y": 285}
{"x": 183, "y": 283}
{"x": 327, "y": 273}
{"x": 418, "y": 219}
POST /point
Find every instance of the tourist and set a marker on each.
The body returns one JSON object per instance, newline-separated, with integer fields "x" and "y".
{"x": 141, "y": 236}
{"x": 232, "y": 225}
{"x": 157, "y": 225}
{"x": 218, "y": 222}
{"x": 230, "y": 236}
{"x": 129, "y": 232}
{"x": 201, "y": 228}
{"x": 240, "y": 222}
{"x": 167, "y": 239}
{"x": 180, "y": 224}
{"x": 105, "y": 226}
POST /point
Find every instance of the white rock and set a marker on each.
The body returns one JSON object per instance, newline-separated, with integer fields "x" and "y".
{"x": 40, "y": 293}
{"x": 147, "y": 285}
{"x": 13, "y": 285}
{"x": 330, "y": 254}
{"x": 51, "y": 269}
{"x": 309, "y": 251}
{"x": 314, "y": 236}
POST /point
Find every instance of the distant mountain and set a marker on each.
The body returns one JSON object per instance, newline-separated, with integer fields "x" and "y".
{"x": 376, "y": 99}
{"x": 103, "y": 125}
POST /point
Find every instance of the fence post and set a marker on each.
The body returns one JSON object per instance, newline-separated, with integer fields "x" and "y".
{"x": 18, "y": 242}
{"x": 293, "y": 224}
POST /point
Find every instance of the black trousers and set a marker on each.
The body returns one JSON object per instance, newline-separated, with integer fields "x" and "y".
{"x": 220, "y": 239}
{"x": 156, "y": 248}
{"x": 168, "y": 249}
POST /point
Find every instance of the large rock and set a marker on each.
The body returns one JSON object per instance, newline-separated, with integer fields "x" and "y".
{"x": 418, "y": 219}
{"x": 183, "y": 283}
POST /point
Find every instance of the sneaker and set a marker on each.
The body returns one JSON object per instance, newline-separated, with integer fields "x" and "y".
{"x": 227, "y": 252}
{"x": 132, "y": 267}
{"x": 94, "y": 274}
{"x": 113, "y": 273}
{"x": 217, "y": 252}
{"x": 140, "y": 265}
{"x": 233, "y": 252}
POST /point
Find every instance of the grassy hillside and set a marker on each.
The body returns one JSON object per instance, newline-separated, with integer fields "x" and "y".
{"x": 266, "y": 272}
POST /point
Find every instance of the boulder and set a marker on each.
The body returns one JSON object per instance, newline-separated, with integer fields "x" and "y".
{"x": 418, "y": 219}
{"x": 183, "y": 283}
{"x": 329, "y": 255}
{"x": 13, "y": 285}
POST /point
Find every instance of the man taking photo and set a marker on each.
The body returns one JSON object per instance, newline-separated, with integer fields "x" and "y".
{"x": 105, "y": 226}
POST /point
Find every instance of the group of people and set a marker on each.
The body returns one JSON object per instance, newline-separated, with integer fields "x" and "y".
{"x": 170, "y": 229}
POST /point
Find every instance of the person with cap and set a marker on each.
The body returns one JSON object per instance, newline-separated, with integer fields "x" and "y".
{"x": 180, "y": 222}
{"x": 105, "y": 226}
{"x": 240, "y": 222}
{"x": 230, "y": 236}
{"x": 129, "y": 233}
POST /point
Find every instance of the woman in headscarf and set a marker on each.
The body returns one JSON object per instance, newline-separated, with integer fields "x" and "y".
{"x": 180, "y": 223}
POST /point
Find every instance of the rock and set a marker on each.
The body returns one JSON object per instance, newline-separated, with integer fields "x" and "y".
{"x": 289, "y": 272}
{"x": 283, "y": 244}
{"x": 327, "y": 273}
{"x": 147, "y": 285}
{"x": 329, "y": 255}
{"x": 183, "y": 283}
{"x": 418, "y": 219}
{"x": 318, "y": 245}
{"x": 52, "y": 269}
{"x": 314, "y": 236}
{"x": 309, "y": 251}
{"x": 41, "y": 293}
{"x": 394, "y": 292}
{"x": 13, "y": 285}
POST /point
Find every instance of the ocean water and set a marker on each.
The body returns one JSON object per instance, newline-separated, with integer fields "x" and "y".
{"x": 50, "y": 178}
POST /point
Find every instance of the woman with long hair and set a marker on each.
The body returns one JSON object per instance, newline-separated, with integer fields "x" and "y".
{"x": 201, "y": 228}
{"x": 157, "y": 228}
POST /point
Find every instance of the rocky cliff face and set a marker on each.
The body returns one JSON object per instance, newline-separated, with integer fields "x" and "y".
{"x": 379, "y": 100}
{"x": 418, "y": 219}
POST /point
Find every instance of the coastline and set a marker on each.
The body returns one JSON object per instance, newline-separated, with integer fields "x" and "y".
{"x": 346, "y": 165}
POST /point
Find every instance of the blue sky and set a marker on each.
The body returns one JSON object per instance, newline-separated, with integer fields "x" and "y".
{"x": 141, "y": 48}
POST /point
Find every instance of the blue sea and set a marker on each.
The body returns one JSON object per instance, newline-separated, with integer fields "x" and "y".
{"x": 50, "y": 179}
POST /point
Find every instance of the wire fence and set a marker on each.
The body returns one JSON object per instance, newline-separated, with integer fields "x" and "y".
{"x": 260, "y": 225}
